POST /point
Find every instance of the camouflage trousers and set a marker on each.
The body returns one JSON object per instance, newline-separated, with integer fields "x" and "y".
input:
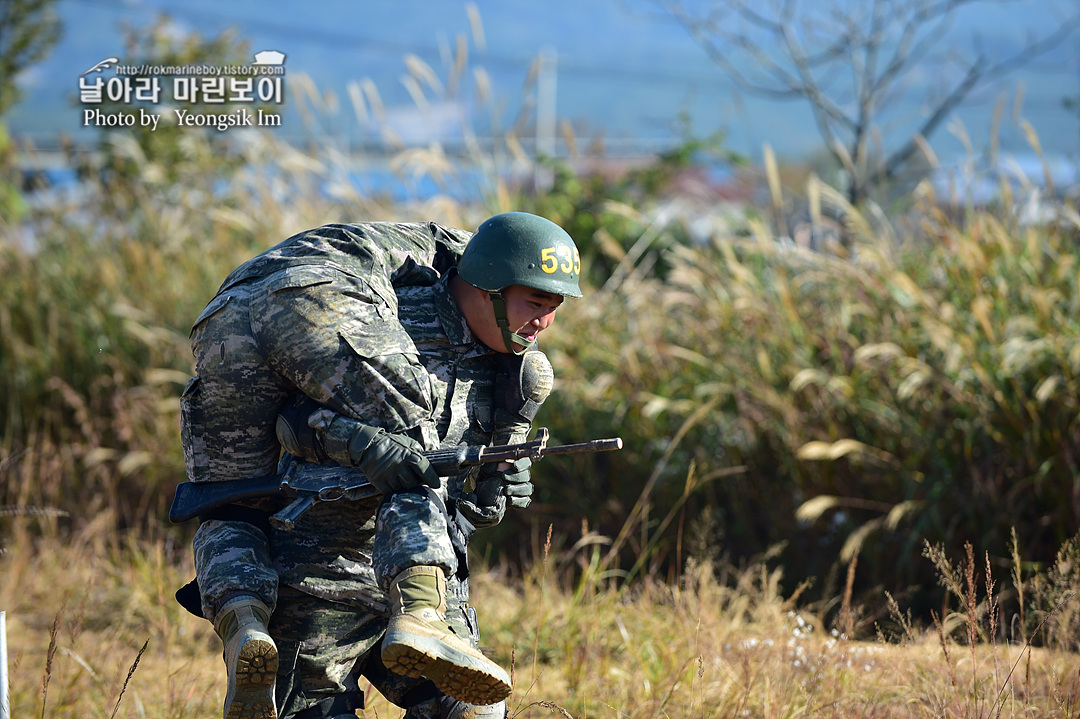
{"x": 327, "y": 649}
{"x": 336, "y": 552}
{"x": 329, "y": 644}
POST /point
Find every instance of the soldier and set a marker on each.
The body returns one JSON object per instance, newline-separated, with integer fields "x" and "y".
{"x": 404, "y": 350}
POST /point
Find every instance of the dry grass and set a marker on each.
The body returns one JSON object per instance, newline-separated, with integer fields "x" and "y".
{"x": 83, "y": 609}
{"x": 717, "y": 644}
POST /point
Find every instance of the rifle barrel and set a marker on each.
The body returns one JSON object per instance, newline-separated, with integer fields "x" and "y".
{"x": 596, "y": 445}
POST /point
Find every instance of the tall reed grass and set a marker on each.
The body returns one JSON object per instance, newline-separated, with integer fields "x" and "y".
{"x": 910, "y": 385}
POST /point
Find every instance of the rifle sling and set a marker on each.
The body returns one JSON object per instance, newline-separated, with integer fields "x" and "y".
{"x": 189, "y": 598}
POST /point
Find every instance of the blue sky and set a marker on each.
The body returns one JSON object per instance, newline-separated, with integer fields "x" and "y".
{"x": 626, "y": 70}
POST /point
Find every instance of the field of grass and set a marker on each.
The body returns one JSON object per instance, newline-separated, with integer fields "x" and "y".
{"x": 972, "y": 324}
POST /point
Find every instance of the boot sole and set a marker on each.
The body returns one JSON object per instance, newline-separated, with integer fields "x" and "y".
{"x": 457, "y": 674}
{"x": 251, "y": 693}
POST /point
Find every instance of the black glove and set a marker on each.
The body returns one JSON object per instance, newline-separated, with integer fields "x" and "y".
{"x": 479, "y": 514}
{"x": 514, "y": 483}
{"x": 392, "y": 462}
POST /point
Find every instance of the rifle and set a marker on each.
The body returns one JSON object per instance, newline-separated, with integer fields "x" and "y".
{"x": 311, "y": 483}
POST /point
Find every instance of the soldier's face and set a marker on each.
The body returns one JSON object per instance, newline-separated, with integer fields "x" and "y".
{"x": 530, "y": 311}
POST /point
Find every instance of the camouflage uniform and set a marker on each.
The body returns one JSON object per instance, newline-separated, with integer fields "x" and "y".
{"x": 316, "y": 314}
{"x": 320, "y": 314}
{"x": 332, "y": 555}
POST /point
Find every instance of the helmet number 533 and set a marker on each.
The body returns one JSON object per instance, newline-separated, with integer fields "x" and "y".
{"x": 551, "y": 256}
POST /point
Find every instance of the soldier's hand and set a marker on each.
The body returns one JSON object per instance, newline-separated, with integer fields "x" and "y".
{"x": 479, "y": 513}
{"x": 295, "y": 434}
{"x": 517, "y": 483}
{"x": 395, "y": 462}
{"x": 512, "y": 480}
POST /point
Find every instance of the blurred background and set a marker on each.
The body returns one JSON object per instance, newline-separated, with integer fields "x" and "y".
{"x": 831, "y": 248}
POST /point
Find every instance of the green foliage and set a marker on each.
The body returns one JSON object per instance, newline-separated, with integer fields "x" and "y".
{"x": 28, "y": 31}
{"x": 12, "y": 204}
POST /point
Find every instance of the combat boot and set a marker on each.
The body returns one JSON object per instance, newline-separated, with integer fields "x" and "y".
{"x": 420, "y": 642}
{"x": 251, "y": 658}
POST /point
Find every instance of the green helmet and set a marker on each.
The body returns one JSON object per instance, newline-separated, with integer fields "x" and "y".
{"x": 516, "y": 248}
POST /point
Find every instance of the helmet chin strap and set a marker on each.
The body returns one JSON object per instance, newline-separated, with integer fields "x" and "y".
{"x": 498, "y": 303}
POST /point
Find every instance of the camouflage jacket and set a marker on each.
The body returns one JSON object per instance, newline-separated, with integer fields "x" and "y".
{"x": 329, "y": 553}
{"x": 384, "y": 254}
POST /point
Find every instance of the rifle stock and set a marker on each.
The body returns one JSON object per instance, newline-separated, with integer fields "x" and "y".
{"x": 195, "y": 498}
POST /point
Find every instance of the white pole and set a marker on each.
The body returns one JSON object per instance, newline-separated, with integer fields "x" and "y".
{"x": 546, "y": 117}
{"x": 5, "y": 700}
